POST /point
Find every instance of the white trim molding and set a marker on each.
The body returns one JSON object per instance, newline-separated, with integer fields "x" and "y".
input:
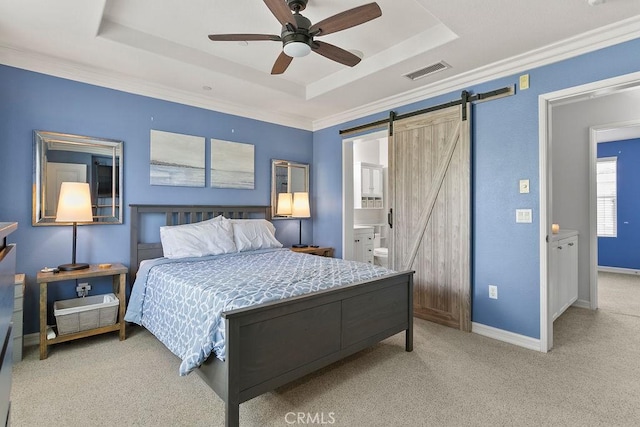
{"x": 545, "y": 103}
{"x": 56, "y": 67}
{"x": 581, "y": 303}
{"x": 506, "y": 336}
{"x": 610, "y": 35}
{"x": 619, "y": 270}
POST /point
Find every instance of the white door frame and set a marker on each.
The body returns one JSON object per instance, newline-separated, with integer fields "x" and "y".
{"x": 593, "y": 200}
{"x": 347, "y": 187}
{"x": 545, "y": 103}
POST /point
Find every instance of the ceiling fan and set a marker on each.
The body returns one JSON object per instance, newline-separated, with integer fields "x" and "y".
{"x": 298, "y": 34}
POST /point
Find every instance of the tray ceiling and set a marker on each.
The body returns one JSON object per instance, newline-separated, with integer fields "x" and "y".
{"x": 160, "y": 48}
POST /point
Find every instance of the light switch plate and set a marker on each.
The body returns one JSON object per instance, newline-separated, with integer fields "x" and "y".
{"x": 524, "y": 186}
{"x": 524, "y": 82}
{"x": 523, "y": 215}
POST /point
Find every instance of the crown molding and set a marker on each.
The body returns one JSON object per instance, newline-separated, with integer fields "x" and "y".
{"x": 57, "y": 67}
{"x": 606, "y": 36}
{"x": 610, "y": 35}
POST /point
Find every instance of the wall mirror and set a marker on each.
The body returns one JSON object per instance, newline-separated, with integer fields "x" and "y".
{"x": 61, "y": 157}
{"x": 287, "y": 177}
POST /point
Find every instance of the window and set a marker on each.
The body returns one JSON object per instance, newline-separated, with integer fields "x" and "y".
{"x": 607, "y": 205}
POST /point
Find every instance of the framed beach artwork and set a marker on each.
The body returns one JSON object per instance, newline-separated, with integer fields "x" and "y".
{"x": 177, "y": 159}
{"x": 232, "y": 165}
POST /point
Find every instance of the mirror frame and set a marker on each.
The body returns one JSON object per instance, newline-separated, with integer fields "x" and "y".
{"x": 40, "y": 141}
{"x": 274, "y": 194}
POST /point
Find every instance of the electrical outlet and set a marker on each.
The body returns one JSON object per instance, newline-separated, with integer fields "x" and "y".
{"x": 83, "y": 289}
{"x": 493, "y": 292}
{"x": 523, "y": 215}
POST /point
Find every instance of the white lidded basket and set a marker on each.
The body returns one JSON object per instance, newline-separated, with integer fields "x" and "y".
{"x": 81, "y": 314}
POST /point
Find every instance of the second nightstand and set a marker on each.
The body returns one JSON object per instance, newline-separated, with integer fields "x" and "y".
{"x": 322, "y": 251}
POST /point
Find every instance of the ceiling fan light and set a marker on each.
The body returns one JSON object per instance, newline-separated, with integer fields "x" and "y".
{"x": 297, "y": 49}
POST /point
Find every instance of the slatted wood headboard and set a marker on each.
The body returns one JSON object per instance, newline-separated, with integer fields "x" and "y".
{"x": 178, "y": 215}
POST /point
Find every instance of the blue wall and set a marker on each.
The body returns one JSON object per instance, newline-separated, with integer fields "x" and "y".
{"x": 624, "y": 250}
{"x": 505, "y": 149}
{"x": 31, "y": 101}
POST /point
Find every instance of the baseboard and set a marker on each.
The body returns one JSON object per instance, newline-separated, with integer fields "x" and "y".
{"x": 582, "y": 304}
{"x": 476, "y": 328}
{"x": 620, "y": 270}
{"x": 31, "y": 339}
{"x": 506, "y": 336}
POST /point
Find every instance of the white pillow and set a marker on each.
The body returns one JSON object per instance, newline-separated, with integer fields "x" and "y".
{"x": 254, "y": 234}
{"x": 214, "y": 219}
{"x": 211, "y": 237}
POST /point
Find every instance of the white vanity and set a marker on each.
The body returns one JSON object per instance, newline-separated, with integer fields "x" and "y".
{"x": 563, "y": 271}
{"x": 363, "y": 243}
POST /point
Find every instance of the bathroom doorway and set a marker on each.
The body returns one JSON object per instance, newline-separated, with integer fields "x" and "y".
{"x": 365, "y": 188}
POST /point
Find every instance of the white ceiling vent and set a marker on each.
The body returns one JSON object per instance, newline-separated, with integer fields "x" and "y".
{"x": 423, "y": 72}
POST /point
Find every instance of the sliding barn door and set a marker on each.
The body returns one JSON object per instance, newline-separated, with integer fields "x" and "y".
{"x": 429, "y": 183}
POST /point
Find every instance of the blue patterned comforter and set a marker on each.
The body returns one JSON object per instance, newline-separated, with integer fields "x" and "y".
{"x": 181, "y": 301}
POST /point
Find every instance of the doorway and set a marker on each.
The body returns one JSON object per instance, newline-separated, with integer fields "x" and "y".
{"x": 370, "y": 149}
{"x": 429, "y": 212}
{"x": 568, "y": 117}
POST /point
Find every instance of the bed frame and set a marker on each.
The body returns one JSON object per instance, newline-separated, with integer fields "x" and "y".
{"x": 272, "y": 344}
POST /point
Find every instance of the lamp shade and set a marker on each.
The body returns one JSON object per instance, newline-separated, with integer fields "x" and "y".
{"x": 284, "y": 204}
{"x": 300, "y": 206}
{"x": 74, "y": 203}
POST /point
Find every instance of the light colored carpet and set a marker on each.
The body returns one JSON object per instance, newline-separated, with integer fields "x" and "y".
{"x": 619, "y": 293}
{"x": 450, "y": 379}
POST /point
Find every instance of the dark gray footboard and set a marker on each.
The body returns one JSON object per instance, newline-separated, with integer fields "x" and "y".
{"x": 275, "y": 343}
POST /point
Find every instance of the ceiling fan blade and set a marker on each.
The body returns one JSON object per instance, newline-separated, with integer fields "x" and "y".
{"x": 243, "y": 37}
{"x": 335, "y": 53}
{"x": 281, "y": 63}
{"x": 282, "y": 12}
{"x": 347, "y": 19}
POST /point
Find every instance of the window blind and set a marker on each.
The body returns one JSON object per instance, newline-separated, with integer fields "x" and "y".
{"x": 607, "y": 202}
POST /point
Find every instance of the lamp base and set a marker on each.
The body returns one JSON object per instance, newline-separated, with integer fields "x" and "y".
{"x": 73, "y": 267}
{"x": 300, "y": 246}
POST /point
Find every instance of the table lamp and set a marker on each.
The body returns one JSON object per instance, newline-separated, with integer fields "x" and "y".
{"x": 74, "y": 205}
{"x": 300, "y": 209}
{"x": 284, "y": 204}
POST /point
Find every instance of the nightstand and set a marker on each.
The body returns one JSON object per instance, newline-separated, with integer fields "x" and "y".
{"x": 119, "y": 274}
{"x": 321, "y": 251}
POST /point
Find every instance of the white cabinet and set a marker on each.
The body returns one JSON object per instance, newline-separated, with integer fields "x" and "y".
{"x": 368, "y": 186}
{"x": 363, "y": 244}
{"x": 563, "y": 271}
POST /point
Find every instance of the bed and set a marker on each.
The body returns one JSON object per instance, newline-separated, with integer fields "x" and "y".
{"x": 273, "y": 343}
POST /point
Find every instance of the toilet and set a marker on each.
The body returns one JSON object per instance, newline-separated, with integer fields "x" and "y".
{"x": 381, "y": 256}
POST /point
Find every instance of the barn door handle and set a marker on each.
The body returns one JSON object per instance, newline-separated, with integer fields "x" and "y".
{"x": 390, "y": 218}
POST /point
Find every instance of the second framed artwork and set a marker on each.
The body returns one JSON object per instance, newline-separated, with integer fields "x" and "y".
{"x": 232, "y": 165}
